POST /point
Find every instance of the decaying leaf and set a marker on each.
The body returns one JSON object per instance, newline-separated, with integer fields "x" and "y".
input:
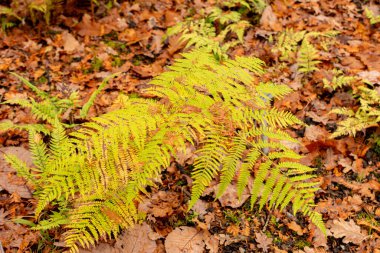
{"x": 295, "y": 227}
{"x": 185, "y": 239}
{"x": 349, "y": 230}
{"x": 136, "y": 240}
{"x": 9, "y": 181}
{"x": 263, "y": 241}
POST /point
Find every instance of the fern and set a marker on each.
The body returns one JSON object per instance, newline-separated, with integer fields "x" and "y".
{"x": 7, "y": 16}
{"x": 339, "y": 80}
{"x": 307, "y": 57}
{"x": 367, "y": 115}
{"x": 373, "y": 19}
{"x": 202, "y": 33}
{"x": 48, "y": 109}
{"x": 98, "y": 173}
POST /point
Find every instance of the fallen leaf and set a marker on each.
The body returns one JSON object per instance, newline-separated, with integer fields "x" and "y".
{"x": 185, "y": 239}
{"x": 295, "y": 227}
{"x": 349, "y": 230}
{"x": 9, "y": 181}
{"x": 370, "y": 76}
{"x": 101, "y": 248}
{"x": 230, "y": 197}
{"x": 136, "y": 240}
{"x": 70, "y": 44}
{"x": 315, "y": 133}
{"x": 263, "y": 241}
{"x": 269, "y": 20}
{"x": 212, "y": 243}
{"x": 233, "y": 229}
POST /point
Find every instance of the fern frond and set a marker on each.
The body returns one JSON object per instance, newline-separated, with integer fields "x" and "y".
{"x": 84, "y": 111}
{"x": 101, "y": 170}
{"x": 230, "y": 163}
{"x": 38, "y": 92}
{"x": 307, "y": 57}
{"x": 207, "y": 164}
{"x": 339, "y": 80}
{"x": 371, "y": 16}
{"x": 21, "y": 168}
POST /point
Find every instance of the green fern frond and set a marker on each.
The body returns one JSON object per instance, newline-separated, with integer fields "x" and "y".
{"x": 230, "y": 163}
{"x": 21, "y": 168}
{"x": 7, "y": 125}
{"x": 56, "y": 220}
{"x": 339, "y": 80}
{"x": 101, "y": 170}
{"x": 371, "y": 16}
{"x": 307, "y": 57}
{"x": 84, "y": 111}
{"x": 207, "y": 164}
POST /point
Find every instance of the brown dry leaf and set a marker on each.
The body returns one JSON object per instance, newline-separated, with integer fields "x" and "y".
{"x": 349, "y": 230}
{"x": 371, "y": 59}
{"x": 233, "y": 229}
{"x": 331, "y": 158}
{"x": 200, "y": 207}
{"x": 185, "y": 239}
{"x": 212, "y": 243}
{"x": 324, "y": 119}
{"x": 370, "y": 76}
{"x": 263, "y": 241}
{"x": 70, "y": 44}
{"x": 8, "y": 180}
{"x": 38, "y": 73}
{"x": 89, "y": 27}
{"x": 161, "y": 204}
{"x": 230, "y": 197}
{"x": 156, "y": 45}
{"x": 269, "y": 20}
{"x": 277, "y": 250}
{"x": 3, "y": 215}
{"x": 367, "y": 189}
{"x": 101, "y": 248}
{"x": 295, "y": 227}
{"x": 319, "y": 238}
{"x": 136, "y": 240}
{"x": 315, "y": 133}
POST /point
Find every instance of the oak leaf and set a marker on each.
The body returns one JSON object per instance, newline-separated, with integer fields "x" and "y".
{"x": 185, "y": 239}
{"x": 349, "y": 230}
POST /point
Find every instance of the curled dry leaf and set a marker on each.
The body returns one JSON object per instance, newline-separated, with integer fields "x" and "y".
{"x": 349, "y": 230}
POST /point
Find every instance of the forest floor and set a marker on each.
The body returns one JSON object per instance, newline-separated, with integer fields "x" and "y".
{"x": 77, "y": 52}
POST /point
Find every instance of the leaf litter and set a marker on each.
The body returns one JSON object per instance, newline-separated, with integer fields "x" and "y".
{"x": 83, "y": 49}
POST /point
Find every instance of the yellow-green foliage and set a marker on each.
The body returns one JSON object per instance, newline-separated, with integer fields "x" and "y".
{"x": 306, "y": 55}
{"x": 45, "y": 108}
{"x": 35, "y": 10}
{"x": 373, "y": 19}
{"x": 202, "y": 33}
{"x": 97, "y": 174}
{"x": 7, "y": 18}
{"x": 367, "y": 115}
{"x": 339, "y": 80}
{"x": 48, "y": 108}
